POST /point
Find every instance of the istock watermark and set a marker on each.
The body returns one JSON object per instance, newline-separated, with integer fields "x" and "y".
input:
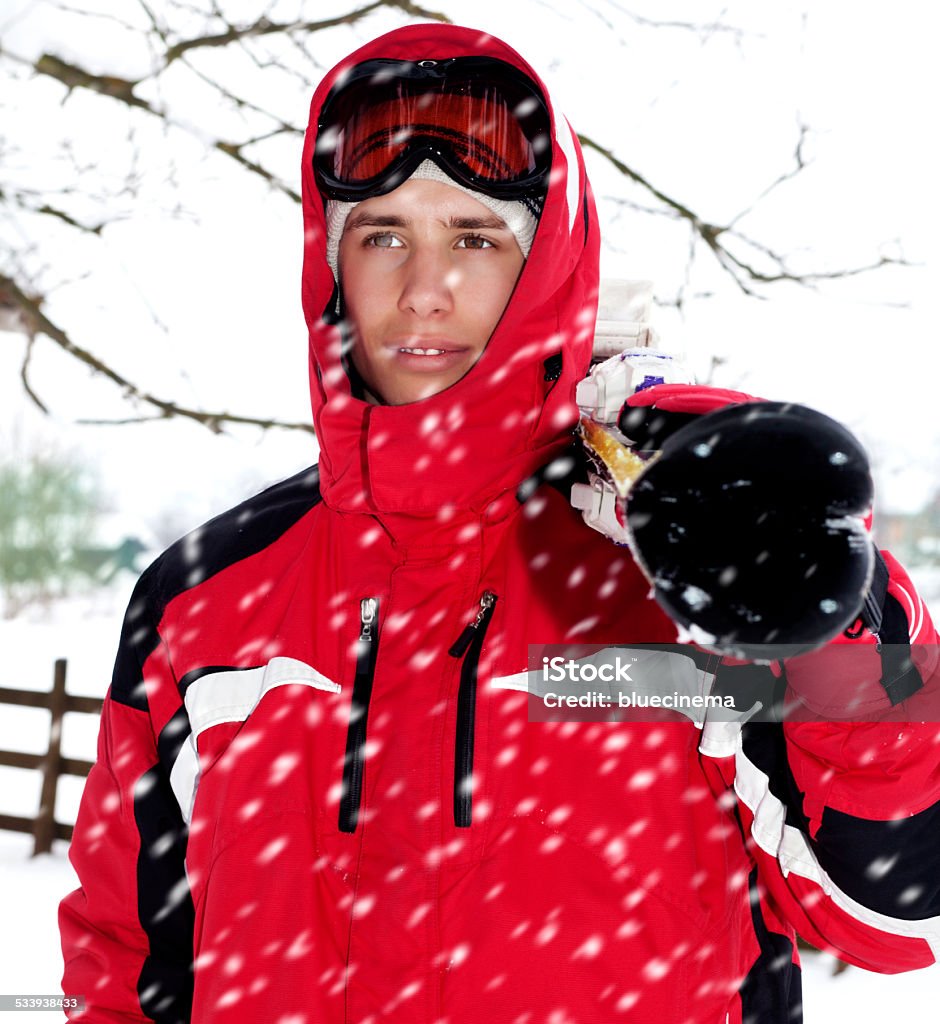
{"x": 560, "y": 669}
{"x": 623, "y": 679}
{"x": 844, "y": 682}
{"x": 636, "y": 683}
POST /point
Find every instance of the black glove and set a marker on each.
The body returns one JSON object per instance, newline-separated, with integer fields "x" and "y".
{"x": 750, "y": 526}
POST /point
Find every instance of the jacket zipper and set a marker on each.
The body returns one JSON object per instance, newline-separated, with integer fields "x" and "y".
{"x": 468, "y": 646}
{"x": 354, "y": 762}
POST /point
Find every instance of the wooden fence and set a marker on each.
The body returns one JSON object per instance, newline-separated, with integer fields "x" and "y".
{"x": 44, "y": 828}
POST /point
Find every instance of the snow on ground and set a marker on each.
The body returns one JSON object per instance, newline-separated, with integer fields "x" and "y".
{"x": 863, "y": 997}
{"x": 85, "y": 630}
{"x": 30, "y": 889}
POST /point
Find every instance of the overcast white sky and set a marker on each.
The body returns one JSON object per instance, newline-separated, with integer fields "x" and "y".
{"x": 711, "y": 117}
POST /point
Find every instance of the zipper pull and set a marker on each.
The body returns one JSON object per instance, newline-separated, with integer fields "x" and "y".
{"x": 460, "y": 645}
{"x": 367, "y": 609}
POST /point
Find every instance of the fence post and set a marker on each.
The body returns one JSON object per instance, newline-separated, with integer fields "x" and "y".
{"x": 44, "y": 832}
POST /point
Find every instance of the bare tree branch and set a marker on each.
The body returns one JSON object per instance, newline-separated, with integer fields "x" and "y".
{"x": 708, "y": 28}
{"x": 235, "y": 152}
{"x": 417, "y": 11}
{"x": 239, "y": 102}
{"x": 635, "y": 176}
{"x": 715, "y": 236}
{"x": 24, "y": 375}
{"x": 37, "y": 322}
{"x": 99, "y": 15}
{"x": 799, "y": 163}
{"x": 263, "y": 27}
{"x": 52, "y": 211}
{"x": 73, "y": 77}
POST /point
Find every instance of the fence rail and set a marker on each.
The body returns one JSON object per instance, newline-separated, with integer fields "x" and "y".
{"x": 44, "y": 828}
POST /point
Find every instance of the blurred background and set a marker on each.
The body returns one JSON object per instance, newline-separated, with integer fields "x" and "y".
{"x": 769, "y": 167}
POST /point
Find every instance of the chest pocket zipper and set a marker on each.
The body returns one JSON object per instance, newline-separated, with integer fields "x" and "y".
{"x": 468, "y": 646}
{"x": 354, "y": 762}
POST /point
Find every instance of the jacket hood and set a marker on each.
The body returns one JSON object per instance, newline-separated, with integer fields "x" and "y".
{"x": 514, "y": 411}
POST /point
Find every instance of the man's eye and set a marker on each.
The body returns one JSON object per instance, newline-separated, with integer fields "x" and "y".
{"x": 474, "y": 242}
{"x": 383, "y": 240}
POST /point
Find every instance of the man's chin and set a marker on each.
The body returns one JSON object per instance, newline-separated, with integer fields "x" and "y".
{"x": 405, "y": 392}
{"x": 417, "y": 389}
{"x": 408, "y": 396}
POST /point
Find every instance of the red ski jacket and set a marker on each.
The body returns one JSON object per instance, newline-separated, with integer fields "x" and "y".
{"x": 319, "y": 797}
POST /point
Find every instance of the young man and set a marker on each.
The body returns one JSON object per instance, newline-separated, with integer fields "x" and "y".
{"x": 318, "y": 795}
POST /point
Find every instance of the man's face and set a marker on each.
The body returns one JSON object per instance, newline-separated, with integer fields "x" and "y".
{"x": 426, "y": 273}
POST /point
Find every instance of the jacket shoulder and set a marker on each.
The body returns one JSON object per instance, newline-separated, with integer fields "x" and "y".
{"x": 228, "y": 538}
{"x": 233, "y": 535}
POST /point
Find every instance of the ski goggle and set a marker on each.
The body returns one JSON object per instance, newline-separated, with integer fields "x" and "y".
{"x": 481, "y": 120}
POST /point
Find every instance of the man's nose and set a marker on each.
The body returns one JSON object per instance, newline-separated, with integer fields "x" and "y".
{"x": 428, "y": 287}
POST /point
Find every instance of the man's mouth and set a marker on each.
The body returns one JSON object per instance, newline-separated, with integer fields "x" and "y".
{"x": 427, "y": 355}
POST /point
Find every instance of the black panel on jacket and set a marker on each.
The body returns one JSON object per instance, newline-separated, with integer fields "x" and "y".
{"x": 138, "y": 639}
{"x": 892, "y": 867}
{"x": 164, "y": 904}
{"x": 764, "y": 745}
{"x": 772, "y": 991}
{"x": 888, "y": 866}
{"x": 172, "y": 737}
{"x": 234, "y": 535}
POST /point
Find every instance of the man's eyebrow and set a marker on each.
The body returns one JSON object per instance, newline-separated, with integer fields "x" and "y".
{"x": 475, "y": 223}
{"x": 391, "y": 220}
{"x": 376, "y": 220}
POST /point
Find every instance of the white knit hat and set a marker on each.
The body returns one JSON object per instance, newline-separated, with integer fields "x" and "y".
{"x": 519, "y": 218}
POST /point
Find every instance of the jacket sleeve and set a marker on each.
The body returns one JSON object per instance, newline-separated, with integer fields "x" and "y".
{"x": 127, "y": 932}
{"x": 840, "y": 800}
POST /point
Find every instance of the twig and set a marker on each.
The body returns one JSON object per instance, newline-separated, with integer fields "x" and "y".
{"x": 39, "y": 323}
{"x": 263, "y": 27}
{"x": 24, "y": 374}
{"x": 799, "y": 163}
{"x": 73, "y": 77}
